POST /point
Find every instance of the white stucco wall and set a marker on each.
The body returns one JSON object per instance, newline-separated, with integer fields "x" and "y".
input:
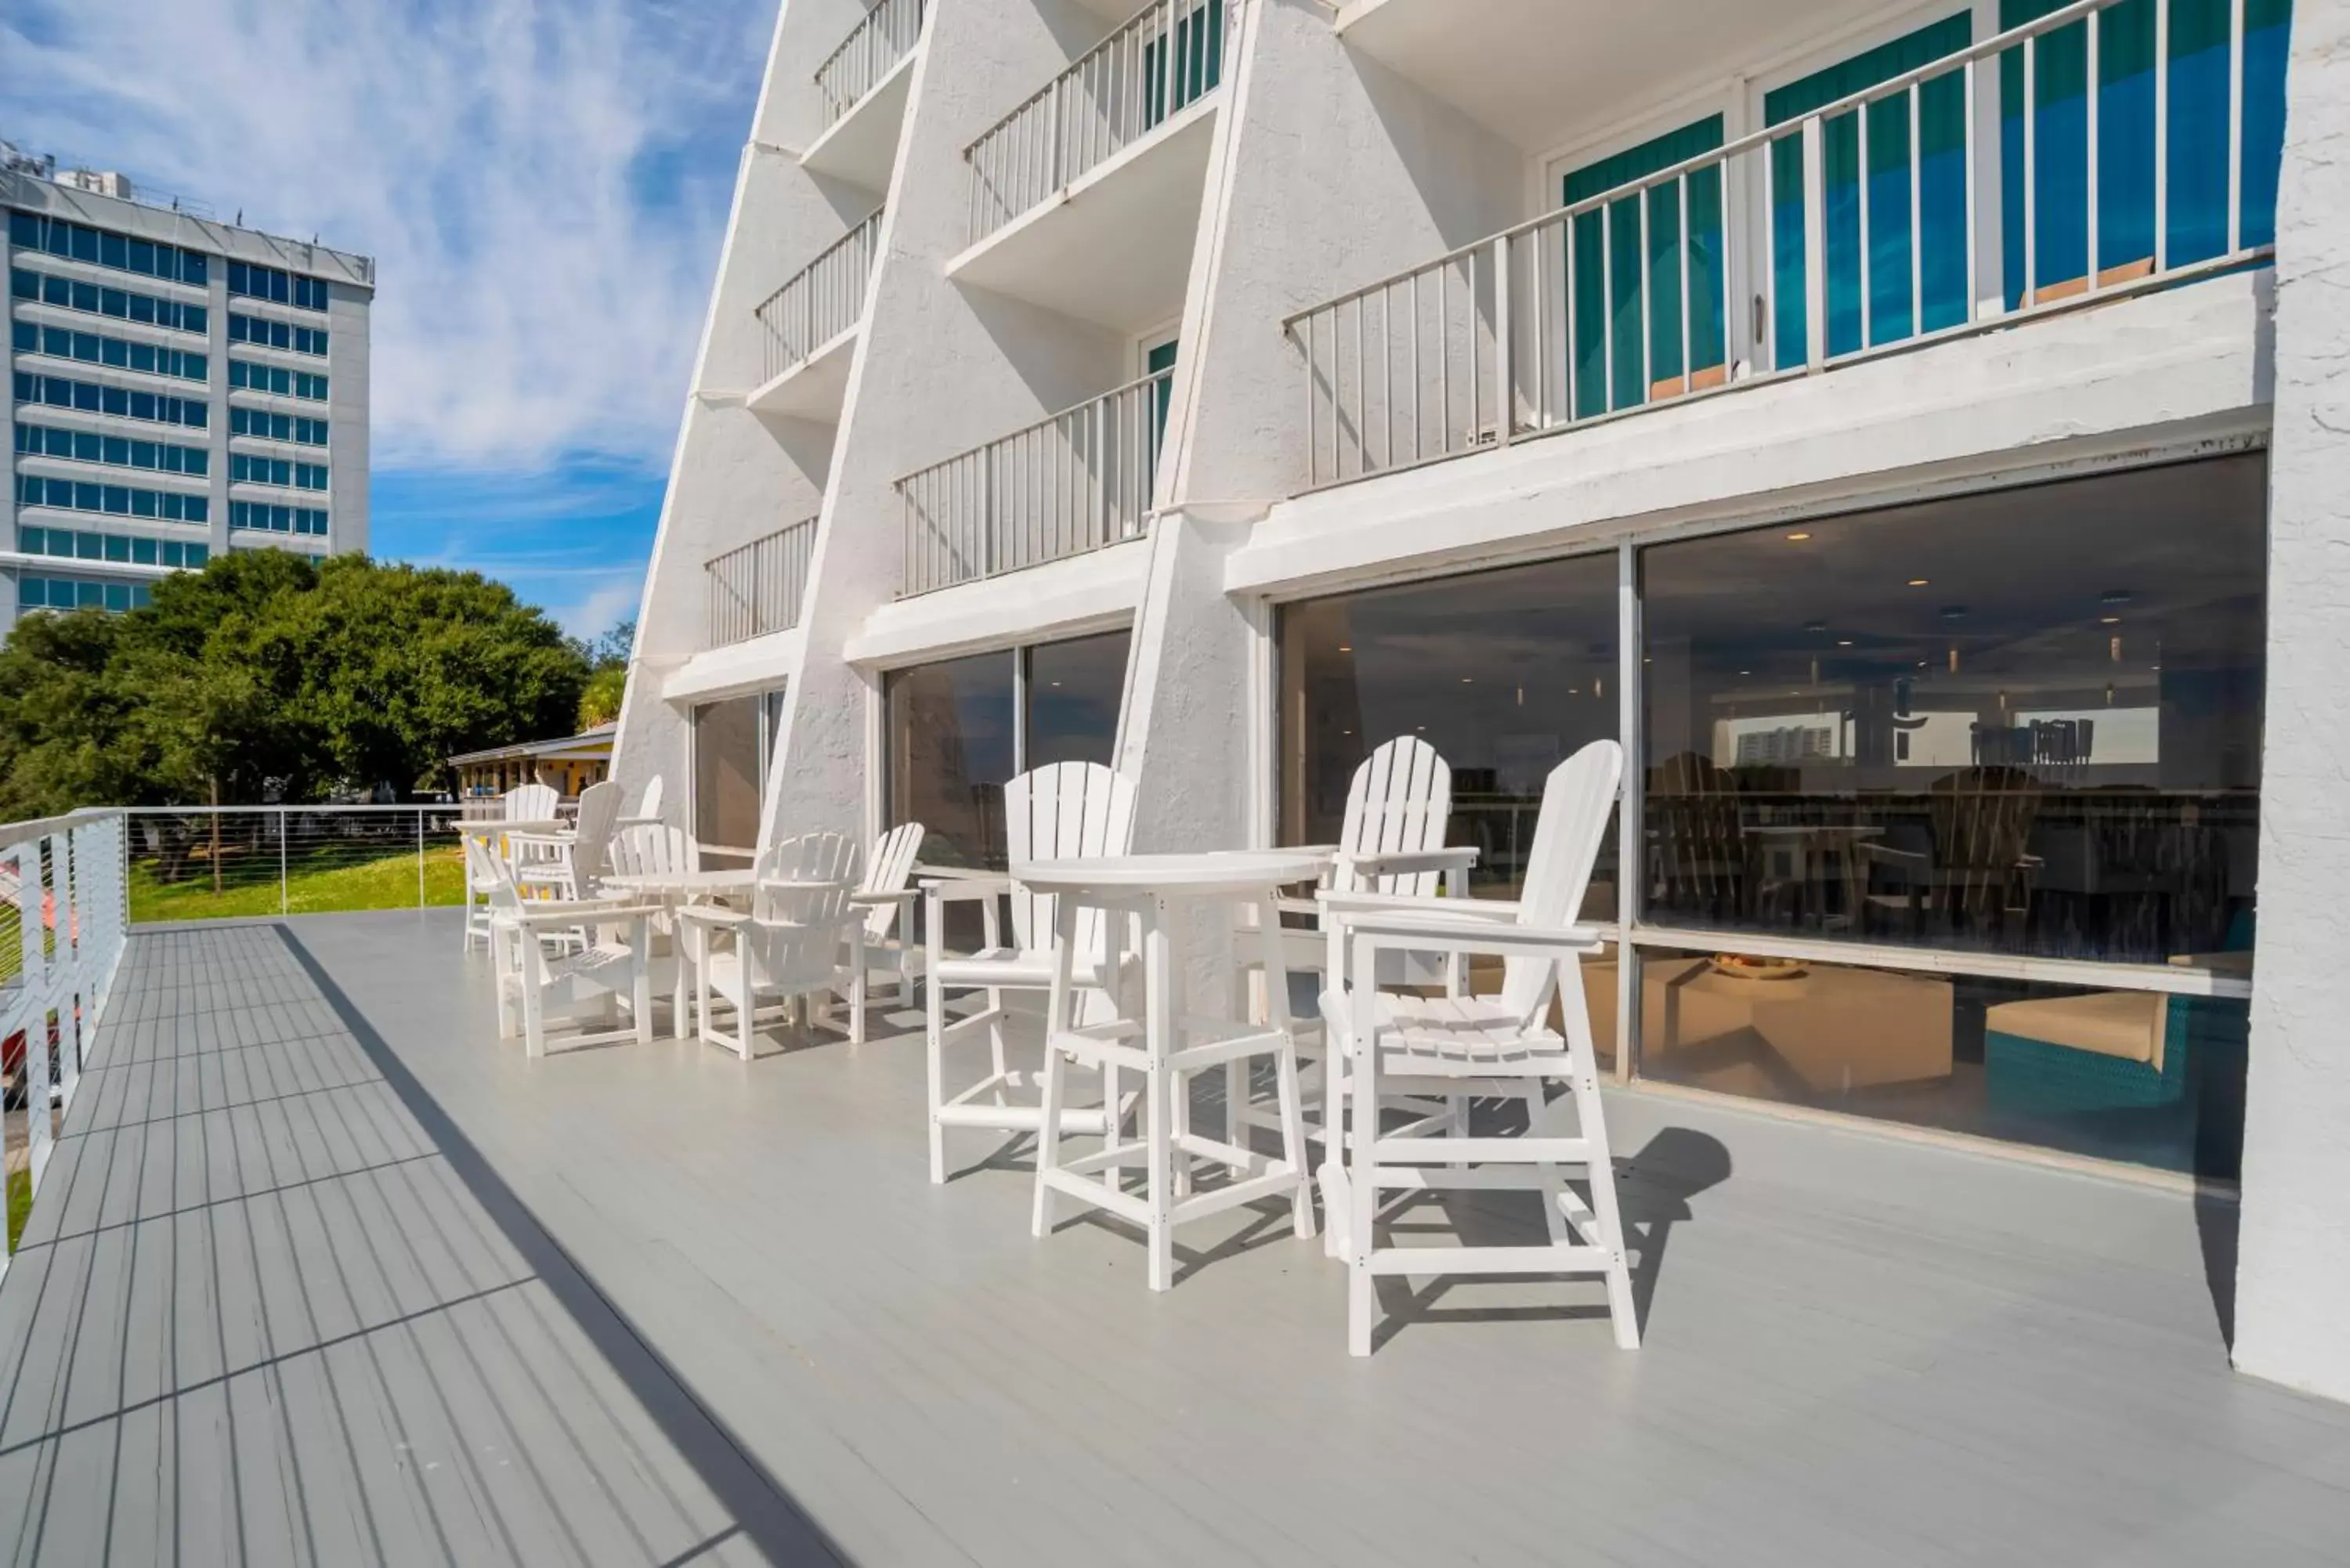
{"x": 2293, "y": 1280}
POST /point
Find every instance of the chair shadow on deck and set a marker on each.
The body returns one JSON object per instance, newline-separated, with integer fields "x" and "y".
{"x": 1653, "y": 1189}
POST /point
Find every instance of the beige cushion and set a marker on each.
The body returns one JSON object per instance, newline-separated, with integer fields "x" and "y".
{"x": 2124, "y": 1024}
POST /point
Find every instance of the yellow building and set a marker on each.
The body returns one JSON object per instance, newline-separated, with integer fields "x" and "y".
{"x": 571, "y": 764}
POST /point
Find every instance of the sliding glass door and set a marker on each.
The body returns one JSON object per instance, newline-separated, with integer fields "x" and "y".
{"x": 1628, "y": 270}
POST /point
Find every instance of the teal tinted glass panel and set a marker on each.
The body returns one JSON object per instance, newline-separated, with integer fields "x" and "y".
{"x": 2197, "y": 86}
{"x": 1898, "y": 306}
{"x": 1176, "y": 78}
{"x": 1627, "y": 283}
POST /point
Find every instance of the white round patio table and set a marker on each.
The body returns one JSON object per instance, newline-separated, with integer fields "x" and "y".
{"x": 682, "y": 888}
{"x": 1169, "y": 1042}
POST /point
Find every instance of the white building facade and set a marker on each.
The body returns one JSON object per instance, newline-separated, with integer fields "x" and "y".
{"x": 1911, "y": 430}
{"x": 180, "y": 387}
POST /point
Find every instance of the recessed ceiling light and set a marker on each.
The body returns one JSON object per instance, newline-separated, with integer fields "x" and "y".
{"x": 1797, "y": 538}
{"x": 1346, "y": 648}
{"x": 1746, "y": 672}
{"x": 1844, "y": 642}
{"x": 1916, "y": 582}
{"x": 2109, "y": 620}
{"x": 1468, "y": 681}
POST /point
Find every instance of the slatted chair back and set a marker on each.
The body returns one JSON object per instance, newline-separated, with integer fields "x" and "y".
{"x": 531, "y": 803}
{"x": 651, "y": 805}
{"x": 891, "y": 866}
{"x": 1577, "y": 799}
{"x": 1982, "y": 819}
{"x": 491, "y": 875}
{"x": 799, "y": 909}
{"x": 652, "y": 849}
{"x": 599, "y": 809}
{"x": 1064, "y": 810}
{"x": 1399, "y": 802}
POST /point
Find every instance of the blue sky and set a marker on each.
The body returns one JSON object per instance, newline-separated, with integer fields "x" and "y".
{"x": 543, "y": 183}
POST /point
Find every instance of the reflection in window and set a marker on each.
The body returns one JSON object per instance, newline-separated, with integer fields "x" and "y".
{"x": 1506, "y": 673}
{"x": 951, "y": 752}
{"x": 727, "y": 776}
{"x": 2026, "y": 722}
{"x": 2114, "y": 1074}
{"x": 957, "y": 735}
{"x": 1075, "y": 688}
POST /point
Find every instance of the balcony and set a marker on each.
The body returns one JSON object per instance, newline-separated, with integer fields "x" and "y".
{"x": 808, "y": 327}
{"x": 758, "y": 588}
{"x": 1070, "y": 483}
{"x": 1085, "y": 198}
{"x": 1923, "y": 207}
{"x": 865, "y": 83}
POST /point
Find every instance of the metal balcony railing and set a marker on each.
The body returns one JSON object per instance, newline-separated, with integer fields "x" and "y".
{"x": 871, "y": 51}
{"x": 758, "y": 588}
{"x": 1066, "y": 484}
{"x": 821, "y": 301}
{"x": 1926, "y": 206}
{"x": 1167, "y": 57}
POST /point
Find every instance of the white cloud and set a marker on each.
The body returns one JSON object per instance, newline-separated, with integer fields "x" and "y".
{"x": 543, "y": 183}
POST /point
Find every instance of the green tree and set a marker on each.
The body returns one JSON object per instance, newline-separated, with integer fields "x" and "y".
{"x": 269, "y": 676}
{"x": 599, "y": 700}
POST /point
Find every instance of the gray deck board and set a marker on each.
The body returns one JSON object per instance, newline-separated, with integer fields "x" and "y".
{"x": 258, "y": 1317}
{"x": 324, "y": 1273}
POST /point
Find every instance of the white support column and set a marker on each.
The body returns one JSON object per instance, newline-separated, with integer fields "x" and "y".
{"x": 2294, "y": 1271}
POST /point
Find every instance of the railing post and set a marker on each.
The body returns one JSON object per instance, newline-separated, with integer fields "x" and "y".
{"x": 420, "y": 858}
{"x": 1816, "y": 246}
{"x": 1505, "y": 389}
{"x": 987, "y": 512}
{"x": 281, "y": 860}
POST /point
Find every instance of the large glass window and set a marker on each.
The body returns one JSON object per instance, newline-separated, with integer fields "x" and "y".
{"x": 2026, "y": 722}
{"x": 1506, "y": 673}
{"x": 732, "y": 738}
{"x": 958, "y": 733}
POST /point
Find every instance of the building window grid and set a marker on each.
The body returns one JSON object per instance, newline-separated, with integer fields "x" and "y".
{"x": 247, "y": 468}
{"x": 262, "y": 516}
{"x": 33, "y": 593}
{"x": 98, "y": 299}
{"x": 122, "y": 402}
{"x": 288, "y": 335}
{"x": 113, "y": 450}
{"x": 76, "y": 545}
{"x": 115, "y": 353}
{"x": 265, "y": 424}
{"x": 103, "y": 247}
{"x": 114, "y": 499}
{"x": 250, "y": 375}
{"x": 250, "y": 280}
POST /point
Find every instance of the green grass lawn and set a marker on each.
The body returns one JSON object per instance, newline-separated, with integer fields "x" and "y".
{"x": 20, "y": 1204}
{"x": 317, "y": 882}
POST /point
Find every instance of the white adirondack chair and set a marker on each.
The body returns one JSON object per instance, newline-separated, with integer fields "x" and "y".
{"x": 650, "y": 849}
{"x": 538, "y": 979}
{"x": 1390, "y": 842}
{"x": 1064, "y": 809}
{"x": 889, "y": 905}
{"x": 787, "y": 949}
{"x": 523, "y": 802}
{"x": 648, "y": 808}
{"x": 574, "y": 869}
{"x": 1448, "y": 1046}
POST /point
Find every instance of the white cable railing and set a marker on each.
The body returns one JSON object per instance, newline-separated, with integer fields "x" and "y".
{"x": 1928, "y": 205}
{"x": 758, "y": 588}
{"x": 870, "y": 52}
{"x": 821, "y": 301}
{"x": 1068, "y": 484}
{"x": 62, "y": 923}
{"x": 1160, "y": 61}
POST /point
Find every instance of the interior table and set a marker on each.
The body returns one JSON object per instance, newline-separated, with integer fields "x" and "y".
{"x": 1106, "y": 901}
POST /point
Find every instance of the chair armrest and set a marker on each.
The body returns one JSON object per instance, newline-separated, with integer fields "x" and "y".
{"x": 788, "y": 883}
{"x": 1901, "y": 857}
{"x": 983, "y": 885}
{"x": 887, "y": 896}
{"x": 1433, "y": 930}
{"x": 562, "y": 915}
{"x": 711, "y": 915}
{"x": 1353, "y": 907}
{"x": 1456, "y": 858}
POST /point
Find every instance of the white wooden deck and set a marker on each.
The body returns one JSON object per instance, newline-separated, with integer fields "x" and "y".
{"x": 352, "y": 1282}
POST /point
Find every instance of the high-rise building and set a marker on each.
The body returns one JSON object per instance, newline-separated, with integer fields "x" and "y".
{"x": 180, "y": 387}
{"x": 1915, "y": 432}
